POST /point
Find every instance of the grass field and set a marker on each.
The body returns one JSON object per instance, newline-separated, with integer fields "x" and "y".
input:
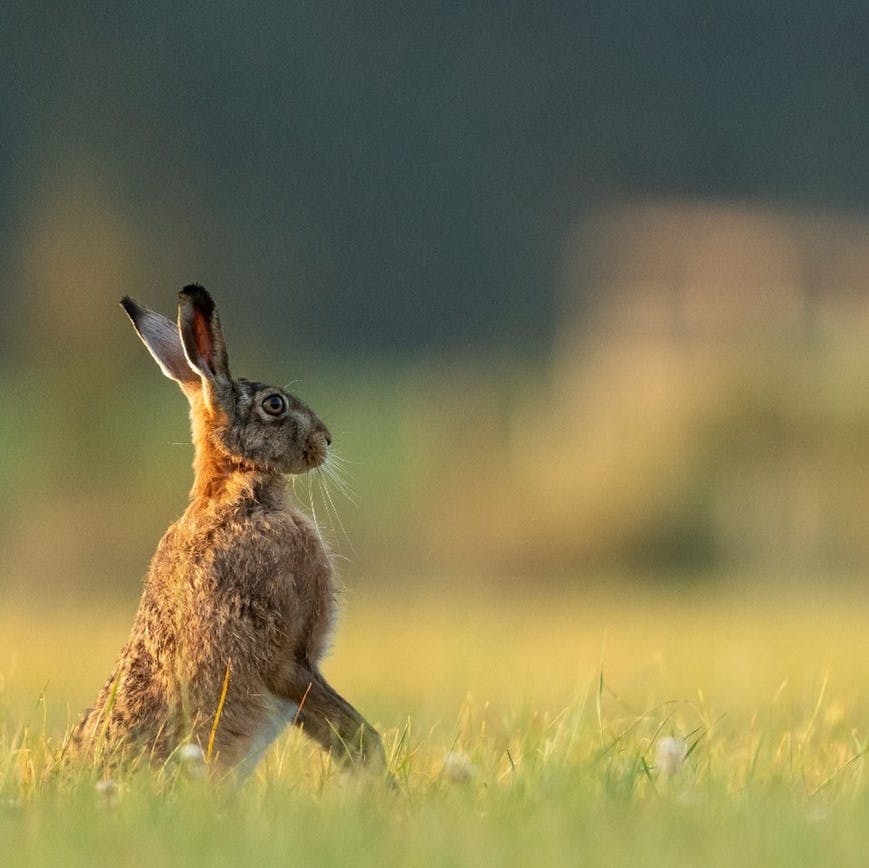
{"x": 613, "y": 728}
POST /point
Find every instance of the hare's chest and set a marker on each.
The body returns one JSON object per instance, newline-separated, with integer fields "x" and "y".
{"x": 291, "y": 549}
{"x": 293, "y": 569}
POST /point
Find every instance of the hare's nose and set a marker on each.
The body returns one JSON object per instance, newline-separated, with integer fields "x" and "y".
{"x": 326, "y": 434}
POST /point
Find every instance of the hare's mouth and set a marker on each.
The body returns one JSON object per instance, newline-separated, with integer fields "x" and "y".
{"x": 316, "y": 449}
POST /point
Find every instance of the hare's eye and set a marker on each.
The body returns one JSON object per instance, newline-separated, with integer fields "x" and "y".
{"x": 274, "y": 405}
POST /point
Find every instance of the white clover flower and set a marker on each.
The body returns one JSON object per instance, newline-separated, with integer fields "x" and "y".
{"x": 192, "y": 760}
{"x": 458, "y": 767}
{"x": 109, "y": 791}
{"x": 191, "y": 753}
{"x": 670, "y": 753}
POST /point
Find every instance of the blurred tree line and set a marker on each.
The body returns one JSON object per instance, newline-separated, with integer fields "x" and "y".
{"x": 395, "y": 176}
{"x": 401, "y": 204}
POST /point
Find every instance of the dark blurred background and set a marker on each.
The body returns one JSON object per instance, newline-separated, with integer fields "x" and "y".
{"x": 580, "y": 287}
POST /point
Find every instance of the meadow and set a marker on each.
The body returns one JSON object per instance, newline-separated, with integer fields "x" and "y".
{"x": 605, "y": 614}
{"x": 620, "y": 726}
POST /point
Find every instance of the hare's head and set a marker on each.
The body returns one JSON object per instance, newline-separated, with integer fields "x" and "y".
{"x": 247, "y": 425}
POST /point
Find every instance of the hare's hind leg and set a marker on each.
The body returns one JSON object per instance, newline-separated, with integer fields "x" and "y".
{"x": 336, "y": 725}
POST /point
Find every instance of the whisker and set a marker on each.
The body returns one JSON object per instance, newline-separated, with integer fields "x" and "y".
{"x": 330, "y": 504}
{"x": 344, "y": 489}
{"x": 311, "y": 504}
{"x": 338, "y": 458}
{"x": 329, "y": 514}
{"x": 338, "y": 472}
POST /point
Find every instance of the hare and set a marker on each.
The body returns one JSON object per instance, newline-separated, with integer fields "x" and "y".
{"x": 239, "y": 600}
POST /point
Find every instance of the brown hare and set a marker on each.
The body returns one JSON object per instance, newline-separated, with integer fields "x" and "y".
{"x": 239, "y": 600}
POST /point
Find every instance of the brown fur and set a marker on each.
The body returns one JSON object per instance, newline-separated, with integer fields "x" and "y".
{"x": 240, "y": 593}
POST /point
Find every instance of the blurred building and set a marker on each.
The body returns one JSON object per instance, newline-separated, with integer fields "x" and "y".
{"x": 692, "y": 269}
{"x": 708, "y": 402}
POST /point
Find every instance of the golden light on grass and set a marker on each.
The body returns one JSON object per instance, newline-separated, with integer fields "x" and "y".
{"x": 520, "y": 728}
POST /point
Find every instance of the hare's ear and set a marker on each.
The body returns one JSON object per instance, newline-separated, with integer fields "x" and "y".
{"x": 204, "y": 347}
{"x": 160, "y": 336}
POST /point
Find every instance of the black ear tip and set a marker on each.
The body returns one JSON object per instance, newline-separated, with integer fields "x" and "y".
{"x": 132, "y": 309}
{"x": 196, "y": 295}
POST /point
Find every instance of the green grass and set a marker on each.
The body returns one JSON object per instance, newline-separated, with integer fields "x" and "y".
{"x": 520, "y": 731}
